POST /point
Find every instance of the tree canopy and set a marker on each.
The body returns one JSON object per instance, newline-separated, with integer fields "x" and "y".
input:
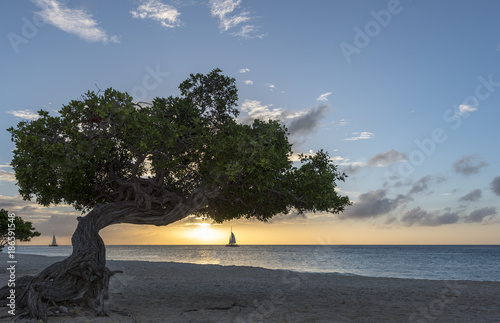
{"x": 23, "y": 230}
{"x": 104, "y": 148}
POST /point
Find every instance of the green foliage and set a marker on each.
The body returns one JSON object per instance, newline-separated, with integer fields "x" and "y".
{"x": 23, "y": 230}
{"x": 104, "y": 148}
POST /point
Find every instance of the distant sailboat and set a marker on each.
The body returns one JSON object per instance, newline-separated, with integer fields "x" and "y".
{"x": 232, "y": 240}
{"x": 54, "y": 243}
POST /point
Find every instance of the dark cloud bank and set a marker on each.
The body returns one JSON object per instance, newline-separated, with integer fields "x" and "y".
{"x": 373, "y": 204}
{"x": 471, "y": 197}
{"x": 420, "y": 217}
{"x": 469, "y": 164}
{"x": 308, "y": 122}
{"x": 495, "y": 185}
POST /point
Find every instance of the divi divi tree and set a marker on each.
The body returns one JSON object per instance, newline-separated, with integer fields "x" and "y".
{"x": 119, "y": 161}
{"x": 14, "y": 228}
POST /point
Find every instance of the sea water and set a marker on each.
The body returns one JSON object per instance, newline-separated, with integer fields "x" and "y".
{"x": 480, "y": 263}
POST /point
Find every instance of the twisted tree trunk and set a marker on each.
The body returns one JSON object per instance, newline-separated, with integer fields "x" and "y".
{"x": 83, "y": 276}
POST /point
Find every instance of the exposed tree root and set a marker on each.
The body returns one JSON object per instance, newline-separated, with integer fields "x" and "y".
{"x": 83, "y": 277}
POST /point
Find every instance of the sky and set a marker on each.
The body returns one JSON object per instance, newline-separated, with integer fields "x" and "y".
{"x": 404, "y": 95}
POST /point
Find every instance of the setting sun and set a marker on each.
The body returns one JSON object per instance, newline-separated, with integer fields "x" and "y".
{"x": 204, "y": 233}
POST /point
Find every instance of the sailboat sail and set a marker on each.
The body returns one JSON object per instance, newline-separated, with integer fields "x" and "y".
{"x": 54, "y": 242}
{"x": 232, "y": 240}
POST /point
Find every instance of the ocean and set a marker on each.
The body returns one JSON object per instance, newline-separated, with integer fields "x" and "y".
{"x": 479, "y": 263}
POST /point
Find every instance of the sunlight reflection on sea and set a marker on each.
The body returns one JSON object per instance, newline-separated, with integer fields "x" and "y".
{"x": 422, "y": 262}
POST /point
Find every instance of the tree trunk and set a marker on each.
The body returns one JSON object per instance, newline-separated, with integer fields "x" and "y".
{"x": 83, "y": 276}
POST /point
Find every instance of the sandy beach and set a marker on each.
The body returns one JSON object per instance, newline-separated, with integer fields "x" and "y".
{"x": 174, "y": 292}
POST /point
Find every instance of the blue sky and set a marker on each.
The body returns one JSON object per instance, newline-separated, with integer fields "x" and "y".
{"x": 403, "y": 94}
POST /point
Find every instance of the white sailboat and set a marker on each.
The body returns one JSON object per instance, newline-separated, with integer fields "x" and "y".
{"x": 232, "y": 240}
{"x": 54, "y": 242}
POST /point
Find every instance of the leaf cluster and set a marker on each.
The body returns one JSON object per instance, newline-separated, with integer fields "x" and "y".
{"x": 23, "y": 230}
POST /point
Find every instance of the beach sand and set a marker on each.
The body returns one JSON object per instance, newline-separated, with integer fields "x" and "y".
{"x": 174, "y": 292}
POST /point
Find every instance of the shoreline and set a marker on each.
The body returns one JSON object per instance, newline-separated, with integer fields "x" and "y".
{"x": 343, "y": 261}
{"x": 183, "y": 292}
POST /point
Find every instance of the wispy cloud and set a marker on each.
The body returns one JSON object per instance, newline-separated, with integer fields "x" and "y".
{"x": 463, "y": 108}
{"x": 257, "y": 110}
{"x": 223, "y": 8}
{"x": 323, "y": 97}
{"x": 244, "y": 70}
{"x": 341, "y": 123}
{"x": 24, "y": 114}
{"x": 165, "y": 14}
{"x": 271, "y": 87}
{"x": 226, "y": 11}
{"x": 249, "y": 82}
{"x": 360, "y": 135}
{"x": 73, "y": 21}
{"x": 311, "y": 153}
{"x": 249, "y": 31}
{"x": 6, "y": 176}
{"x": 467, "y": 107}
